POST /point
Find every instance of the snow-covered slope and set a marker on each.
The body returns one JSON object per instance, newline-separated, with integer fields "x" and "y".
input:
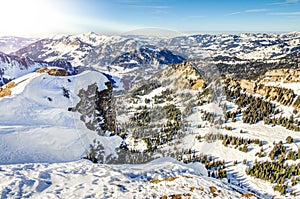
{"x": 36, "y": 122}
{"x": 162, "y": 178}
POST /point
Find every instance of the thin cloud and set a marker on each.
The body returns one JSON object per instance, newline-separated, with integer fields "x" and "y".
{"x": 192, "y": 17}
{"x": 285, "y": 2}
{"x": 284, "y": 13}
{"x": 233, "y": 13}
{"x": 160, "y": 11}
{"x": 143, "y": 4}
{"x": 256, "y": 10}
{"x": 248, "y": 11}
{"x": 127, "y": 1}
{"x": 195, "y": 17}
{"x": 152, "y": 7}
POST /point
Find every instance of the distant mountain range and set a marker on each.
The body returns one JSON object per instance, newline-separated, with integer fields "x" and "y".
{"x": 99, "y": 51}
{"x": 244, "y": 46}
{"x": 123, "y": 56}
{"x": 9, "y": 44}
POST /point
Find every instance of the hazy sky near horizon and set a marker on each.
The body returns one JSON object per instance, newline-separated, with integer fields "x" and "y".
{"x": 37, "y": 18}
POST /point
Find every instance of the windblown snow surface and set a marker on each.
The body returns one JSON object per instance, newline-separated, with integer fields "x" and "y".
{"x": 163, "y": 177}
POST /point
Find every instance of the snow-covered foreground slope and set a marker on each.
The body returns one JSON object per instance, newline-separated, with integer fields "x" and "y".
{"x": 36, "y": 124}
{"x": 161, "y": 178}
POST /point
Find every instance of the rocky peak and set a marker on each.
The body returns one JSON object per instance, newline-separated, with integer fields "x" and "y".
{"x": 185, "y": 75}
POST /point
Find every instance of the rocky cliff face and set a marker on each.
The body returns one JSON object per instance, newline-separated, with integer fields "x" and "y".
{"x": 183, "y": 76}
{"x": 97, "y": 109}
{"x": 280, "y": 85}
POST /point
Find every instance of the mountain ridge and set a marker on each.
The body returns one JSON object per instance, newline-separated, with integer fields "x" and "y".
{"x": 12, "y": 66}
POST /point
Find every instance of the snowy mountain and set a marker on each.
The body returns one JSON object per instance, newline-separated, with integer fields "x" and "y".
{"x": 229, "y": 103}
{"x": 10, "y": 44}
{"x": 46, "y": 116}
{"x": 98, "y": 51}
{"x": 147, "y": 56}
{"x": 123, "y": 57}
{"x": 239, "y": 47}
{"x": 12, "y": 67}
{"x": 95, "y": 50}
{"x": 127, "y": 57}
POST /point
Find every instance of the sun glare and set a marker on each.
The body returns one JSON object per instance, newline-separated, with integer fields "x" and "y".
{"x": 27, "y": 17}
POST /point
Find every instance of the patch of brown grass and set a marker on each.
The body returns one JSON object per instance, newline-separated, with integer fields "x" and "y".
{"x": 213, "y": 191}
{"x": 53, "y": 72}
{"x": 5, "y": 91}
{"x": 176, "y": 196}
{"x": 196, "y": 188}
{"x": 247, "y": 195}
{"x": 10, "y": 85}
{"x": 163, "y": 180}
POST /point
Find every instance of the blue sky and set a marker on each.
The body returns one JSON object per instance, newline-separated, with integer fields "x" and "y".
{"x": 48, "y": 17}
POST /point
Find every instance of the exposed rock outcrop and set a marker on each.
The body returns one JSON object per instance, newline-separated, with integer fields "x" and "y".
{"x": 271, "y": 85}
{"x": 248, "y": 85}
{"x": 97, "y": 109}
{"x": 186, "y": 76}
{"x": 282, "y": 75}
